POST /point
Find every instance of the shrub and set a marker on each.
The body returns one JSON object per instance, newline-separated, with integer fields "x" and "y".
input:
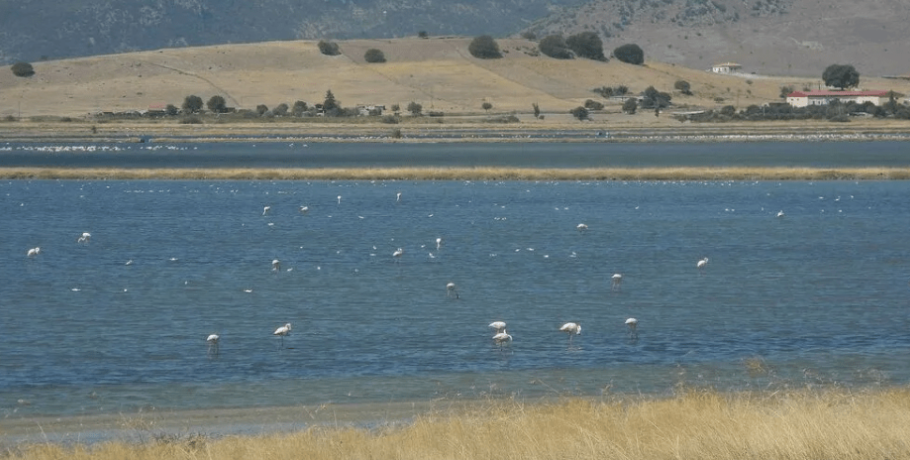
{"x": 728, "y": 110}
{"x": 281, "y": 110}
{"x": 651, "y": 98}
{"x": 630, "y": 106}
{"x": 484, "y": 47}
{"x": 22, "y": 69}
{"x": 171, "y": 110}
{"x": 486, "y": 106}
{"x": 630, "y": 54}
{"x": 423, "y": 34}
{"x": 261, "y": 109}
{"x": 587, "y": 45}
{"x": 299, "y": 108}
{"x": 192, "y": 104}
{"x": 396, "y": 108}
{"x": 191, "y": 121}
{"x": 374, "y": 55}
{"x": 390, "y": 119}
{"x": 555, "y": 47}
{"x": 415, "y": 108}
{"x": 785, "y": 91}
{"x": 579, "y": 112}
{"x": 683, "y": 87}
{"x": 329, "y": 48}
{"x": 591, "y": 104}
{"x": 216, "y": 104}
{"x": 528, "y": 35}
{"x": 620, "y": 90}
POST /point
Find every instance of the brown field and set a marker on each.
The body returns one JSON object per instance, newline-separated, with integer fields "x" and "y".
{"x": 696, "y": 424}
{"x": 478, "y": 173}
{"x": 438, "y": 73}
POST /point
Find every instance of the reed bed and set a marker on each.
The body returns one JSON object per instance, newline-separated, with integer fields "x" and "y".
{"x": 479, "y": 173}
{"x": 697, "y": 424}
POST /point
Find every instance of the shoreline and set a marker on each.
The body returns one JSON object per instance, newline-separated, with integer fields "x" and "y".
{"x": 462, "y": 173}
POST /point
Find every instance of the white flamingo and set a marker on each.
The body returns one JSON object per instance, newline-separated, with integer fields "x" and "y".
{"x": 282, "y": 332}
{"x": 780, "y": 213}
{"x": 276, "y": 265}
{"x": 398, "y": 197}
{"x": 339, "y": 199}
{"x": 617, "y": 282}
{"x": 498, "y": 326}
{"x": 304, "y": 209}
{"x": 397, "y": 254}
{"x": 85, "y": 238}
{"x": 212, "y": 340}
{"x": 450, "y": 290}
{"x": 702, "y": 264}
{"x": 266, "y": 209}
{"x": 582, "y": 227}
{"x": 33, "y": 252}
{"x": 633, "y": 327}
{"x": 501, "y": 338}
{"x": 571, "y": 329}
{"x": 438, "y": 243}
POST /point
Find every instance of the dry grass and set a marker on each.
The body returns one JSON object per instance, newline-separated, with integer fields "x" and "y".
{"x": 797, "y": 425}
{"x": 480, "y": 173}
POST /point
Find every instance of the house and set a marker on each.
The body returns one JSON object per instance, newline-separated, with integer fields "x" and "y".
{"x": 822, "y": 97}
{"x": 726, "y": 67}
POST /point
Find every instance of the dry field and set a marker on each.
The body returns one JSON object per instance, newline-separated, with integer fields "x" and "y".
{"x": 696, "y": 424}
{"x": 438, "y": 73}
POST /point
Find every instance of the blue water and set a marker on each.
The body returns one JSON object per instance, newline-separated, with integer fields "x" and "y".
{"x": 819, "y": 296}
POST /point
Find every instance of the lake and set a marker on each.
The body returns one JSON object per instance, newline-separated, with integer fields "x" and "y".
{"x": 818, "y": 296}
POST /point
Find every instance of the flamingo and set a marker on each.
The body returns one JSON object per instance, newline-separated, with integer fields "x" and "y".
{"x": 780, "y": 213}
{"x": 397, "y": 254}
{"x": 501, "y": 338}
{"x": 498, "y": 326}
{"x": 571, "y": 329}
{"x": 582, "y": 227}
{"x": 33, "y": 252}
{"x": 266, "y": 209}
{"x": 283, "y": 331}
{"x": 617, "y": 282}
{"x": 398, "y": 197}
{"x": 438, "y": 243}
{"x": 450, "y": 289}
{"x": 212, "y": 340}
{"x": 304, "y": 209}
{"x": 339, "y": 199}
{"x": 633, "y": 325}
{"x": 276, "y": 265}
{"x": 85, "y": 238}
{"x": 701, "y": 264}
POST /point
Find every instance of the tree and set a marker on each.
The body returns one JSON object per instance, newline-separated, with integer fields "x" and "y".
{"x": 216, "y": 104}
{"x": 192, "y": 104}
{"x": 591, "y": 104}
{"x": 396, "y": 108}
{"x": 281, "y": 110}
{"x": 299, "y": 108}
{"x": 171, "y": 110}
{"x": 415, "y": 108}
{"x": 330, "y": 106}
{"x": 587, "y": 45}
{"x": 630, "y": 54}
{"x": 423, "y": 34}
{"x": 486, "y": 106}
{"x": 329, "y": 48}
{"x": 579, "y": 112}
{"x": 536, "y": 109}
{"x": 484, "y": 47}
{"x": 22, "y": 69}
{"x": 841, "y": 76}
{"x": 651, "y": 98}
{"x": 374, "y": 55}
{"x": 630, "y": 106}
{"x": 261, "y": 109}
{"x": 555, "y": 47}
{"x": 683, "y": 87}
{"x": 785, "y": 91}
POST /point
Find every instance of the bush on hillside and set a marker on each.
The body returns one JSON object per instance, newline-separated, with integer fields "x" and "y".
{"x": 216, "y": 104}
{"x": 261, "y": 109}
{"x": 579, "y": 112}
{"x": 587, "y": 45}
{"x": 484, "y": 47}
{"x": 683, "y": 87}
{"x": 22, "y": 69}
{"x": 415, "y": 108}
{"x": 374, "y": 55}
{"x": 329, "y": 48}
{"x": 651, "y": 98}
{"x": 281, "y": 110}
{"x": 591, "y": 104}
{"x": 555, "y": 47}
{"x": 630, "y": 54}
{"x": 630, "y": 106}
{"x": 192, "y": 104}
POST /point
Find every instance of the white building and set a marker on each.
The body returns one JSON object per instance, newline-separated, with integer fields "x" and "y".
{"x": 822, "y": 97}
{"x": 726, "y": 67}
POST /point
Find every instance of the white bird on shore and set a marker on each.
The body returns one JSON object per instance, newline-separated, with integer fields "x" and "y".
{"x": 633, "y": 327}
{"x": 701, "y": 264}
{"x": 85, "y": 238}
{"x": 571, "y": 329}
{"x": 276, "y": 265}
{"x": 266, "y": 209}
{"x": 283, "y": 331}
{"x": 450, "y": 290}
{"x": 498, "y": 326}
{"x": 617, "y": 282}
{"x": 501, "y": 338}
{"x": 33, "y": 252}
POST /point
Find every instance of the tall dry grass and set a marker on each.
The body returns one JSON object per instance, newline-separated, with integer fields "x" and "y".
{"x": 800, "y": 425}
{"x": 479, "y": 173}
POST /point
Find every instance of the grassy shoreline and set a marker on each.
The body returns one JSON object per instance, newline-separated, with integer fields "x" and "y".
{"x": 472, "y": 173}
{"x": 694, "y": 424}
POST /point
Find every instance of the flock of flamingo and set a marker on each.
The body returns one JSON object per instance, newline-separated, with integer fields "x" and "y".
{"x": 501, "y": 336}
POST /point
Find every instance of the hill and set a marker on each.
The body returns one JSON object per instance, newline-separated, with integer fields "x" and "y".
{"x": 771, "y": 37}
{"x": 438, "y": 73}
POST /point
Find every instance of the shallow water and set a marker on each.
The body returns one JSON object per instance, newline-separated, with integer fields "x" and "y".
{"x": 818, "y": 296}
